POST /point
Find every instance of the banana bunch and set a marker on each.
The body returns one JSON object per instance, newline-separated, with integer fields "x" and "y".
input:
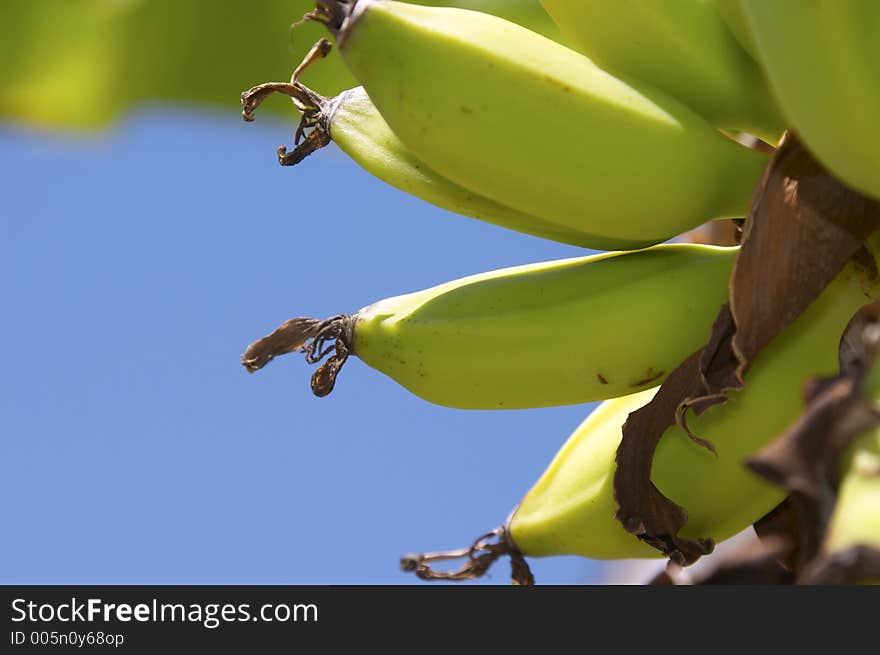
{"x": 570, "y": 510}
{"x": 701, "y": 63}
{"x": 822, "y": 59}
{"x": 553, "y": 333}
{"x": 619, "y": 145}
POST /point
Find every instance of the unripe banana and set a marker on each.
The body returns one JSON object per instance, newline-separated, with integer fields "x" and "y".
{"x": 553, "y": 333}
{"x": 528, "y": 13}
{"x": 822, "y": 59}
{"x": 355, "y": 125}
{"x": 571, "y": 508}
{"x": 538, "y": 127}
{"x": 682, "y": 47}
{"x": 731, "y": 13}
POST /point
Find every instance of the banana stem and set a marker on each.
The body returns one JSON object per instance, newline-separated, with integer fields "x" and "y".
{"x": 480, "y": 557}
{"x": 312, "y": 337}
{"x": 306, "y": 100}
{"x": 314, "y": 107}
{"x": 320, "y": 50}
{"x": 311, "y": 105}
{"x": 333, "y": 14}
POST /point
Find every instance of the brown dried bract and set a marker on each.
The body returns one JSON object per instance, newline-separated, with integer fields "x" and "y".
{"x": 805, "y": 459}
{"x": 781, "y": 524}
{"x": 639, "y": 497}
{"x": 802, "y": 228}
{"x": 757, "y": 564}
{"x": 845, "y": 567}
{"x": 715, "y": 233}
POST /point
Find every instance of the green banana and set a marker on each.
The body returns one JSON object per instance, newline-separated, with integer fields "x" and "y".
{"x": 553, "y": 333}
{"x": 570, "y": 510}
{"x": 527, "y": 13}
{"x": 538, "y": 127}
{"x": 731, "y": 13}
{"x": 822, "y": 58}
{"x": 682, "y": 47}
{"x": 355, "y": 125}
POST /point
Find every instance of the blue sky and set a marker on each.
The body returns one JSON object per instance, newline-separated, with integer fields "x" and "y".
{"x": 136, "y": 266}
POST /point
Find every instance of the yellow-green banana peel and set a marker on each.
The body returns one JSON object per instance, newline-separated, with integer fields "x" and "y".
{"x": 732, "y": 13}
{"x": 547, "y": 334}
{"x": 553, "y": 333}
{"x": 358, "y": 128}
{"x": 352, "y": 122}
{"x": 682, "y": 47}
{"x": 822, "y": 58}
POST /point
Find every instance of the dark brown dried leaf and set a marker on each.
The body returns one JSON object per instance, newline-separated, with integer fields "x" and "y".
{"x": 781, "y": 524}
{"x": 853, "y": 565}
{"x": 636, "y": 495}
{"x": 324, "y": 378}
{"x": 757, "y": 564}
{"x": 805, "y": 459}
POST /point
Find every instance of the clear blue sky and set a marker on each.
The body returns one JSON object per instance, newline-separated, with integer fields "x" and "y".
{"x": 136, "y": 266}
